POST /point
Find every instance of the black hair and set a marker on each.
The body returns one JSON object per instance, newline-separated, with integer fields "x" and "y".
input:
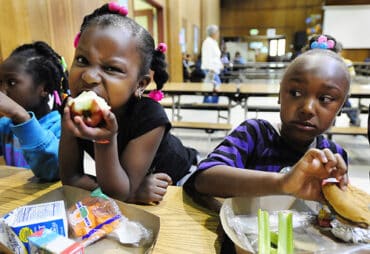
{"x": 150, "y": 58}
{"x": 45, "y": 66}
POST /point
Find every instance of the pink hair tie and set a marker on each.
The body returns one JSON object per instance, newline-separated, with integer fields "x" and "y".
{"x": 77, "y": 39}
{"x": 162, "y": 47}
{"x": 156, "y": 95}
{"x": 322, "y": 38}
{"x": 115, "y": 7}
{"x": 330, "y": 44}
{"x": 57, "y": 98}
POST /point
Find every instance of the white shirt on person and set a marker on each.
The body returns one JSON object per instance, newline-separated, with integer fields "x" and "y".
{"x": 211, "y": 56}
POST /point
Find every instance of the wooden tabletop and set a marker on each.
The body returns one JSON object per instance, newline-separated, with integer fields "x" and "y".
{"x": 185, "y": 226}
{"x": 244, "y": 89}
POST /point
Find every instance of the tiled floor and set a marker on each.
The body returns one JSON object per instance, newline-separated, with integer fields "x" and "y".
{"x": 357, "y": 147}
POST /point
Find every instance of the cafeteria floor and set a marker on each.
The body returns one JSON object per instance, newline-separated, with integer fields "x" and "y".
{"x": 358, "y": 147}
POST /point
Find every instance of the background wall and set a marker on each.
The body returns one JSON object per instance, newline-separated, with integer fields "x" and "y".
{"x": 56, "y": 22}
{"x": 287, "y": 16}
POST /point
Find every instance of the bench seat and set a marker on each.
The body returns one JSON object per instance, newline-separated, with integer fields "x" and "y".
{"x": 350, "y": 130}
{"x": 208, "y": 127}
{"x": 195, "y": 105}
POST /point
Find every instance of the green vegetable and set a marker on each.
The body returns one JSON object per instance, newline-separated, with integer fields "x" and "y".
{"x": 274, "y": 239}
{"x": 263, "y": 232}
{"x": 285, "y": 240}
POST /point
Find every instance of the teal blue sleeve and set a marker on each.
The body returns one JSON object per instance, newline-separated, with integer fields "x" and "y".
{"x": 39, "y": 141}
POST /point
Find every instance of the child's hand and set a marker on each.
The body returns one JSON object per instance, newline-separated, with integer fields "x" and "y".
{"x": 153, "y": 188}
{"x": 12, "y": 109}
{"x": 77, "y": 126}
{"x": 305, "y": 179}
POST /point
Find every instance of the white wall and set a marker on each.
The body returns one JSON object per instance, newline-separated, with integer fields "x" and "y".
{"x": 349, "y": 24}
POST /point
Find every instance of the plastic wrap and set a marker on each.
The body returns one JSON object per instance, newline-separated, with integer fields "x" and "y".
{"x": 93, "y": 217}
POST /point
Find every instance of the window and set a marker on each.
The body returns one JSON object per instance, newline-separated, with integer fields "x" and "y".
{"x": 277, "y": 47}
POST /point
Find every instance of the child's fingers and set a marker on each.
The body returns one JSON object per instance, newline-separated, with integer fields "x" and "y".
{"x": 341, "y": 172}
{"x": 110, "y": 121}
{"x": 317, "y": 154}
{"x": 164, "y": 177}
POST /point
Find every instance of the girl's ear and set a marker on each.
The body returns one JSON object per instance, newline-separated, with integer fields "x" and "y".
{"x": 144, "y": 82}
{"x": 41, "y": 90}
{"x": 141, "y": 86}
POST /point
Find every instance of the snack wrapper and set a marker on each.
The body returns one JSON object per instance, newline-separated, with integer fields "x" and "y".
{"x": 93, "y": 217}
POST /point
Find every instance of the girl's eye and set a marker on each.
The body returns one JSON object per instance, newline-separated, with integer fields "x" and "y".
{"x": 112, "y": 69}
{"x": 11, "y": 82}
{"x": 326, "y": 99}
{"x": 81, "y": 60}
{"x": 295, "y": 93}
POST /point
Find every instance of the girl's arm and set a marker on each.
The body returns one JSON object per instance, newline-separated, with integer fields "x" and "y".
{"x": 121, "y": 176}
{"x": 40, "y": 145}
{"x": 303, "y": 181}
{"x": 71, "y": 157}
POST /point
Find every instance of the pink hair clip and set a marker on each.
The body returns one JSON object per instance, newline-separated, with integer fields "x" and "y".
{"x": 162, "y": 47}
{"x": 77, "y": 39}
{"x": 115, "y": 7}
{"x": 156, "y": 95}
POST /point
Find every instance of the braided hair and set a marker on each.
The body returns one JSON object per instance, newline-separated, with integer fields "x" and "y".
{"x": 151, "y": 58}
{"x": 45, "y": 66}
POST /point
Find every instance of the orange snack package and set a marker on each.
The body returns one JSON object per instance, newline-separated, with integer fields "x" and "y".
{"x": 93, "y": 217}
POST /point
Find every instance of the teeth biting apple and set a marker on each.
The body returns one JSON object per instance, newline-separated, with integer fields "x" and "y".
{"x": 89, "y": 106}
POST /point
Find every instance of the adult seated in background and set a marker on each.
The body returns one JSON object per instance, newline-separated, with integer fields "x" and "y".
{"x": 325, "y": 41}
{"x": 187, "y": 65}
{"x": 197, "y": 75}
{"x": 225, "y": 73}
{"x": 211, "y": 61}
{"x": 238, "y": 59}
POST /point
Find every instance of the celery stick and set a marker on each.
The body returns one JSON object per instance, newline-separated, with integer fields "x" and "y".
{"x": 263, "y": 232}
{"x": 285, "y": 241}
{"x": 274, "y": 239}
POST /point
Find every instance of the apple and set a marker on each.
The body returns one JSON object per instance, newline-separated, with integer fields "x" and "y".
{"x": 89, "y": 106}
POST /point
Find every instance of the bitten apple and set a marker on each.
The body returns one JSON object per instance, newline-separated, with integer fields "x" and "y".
{"x": 89, "y": 106}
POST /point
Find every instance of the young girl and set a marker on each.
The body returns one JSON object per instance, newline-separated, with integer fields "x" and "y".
{"x": 114, "y": 56}
{"x": 312, "y": 92}
{"x": 32, "y": 79}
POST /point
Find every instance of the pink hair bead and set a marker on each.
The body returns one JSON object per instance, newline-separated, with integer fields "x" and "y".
{"x": 114, "y": 7}
{"x": 322, "y": 38}
{"x": 77, "y": 39}
{"x": 330, "y": 44}
{"x": 162, "y": 47}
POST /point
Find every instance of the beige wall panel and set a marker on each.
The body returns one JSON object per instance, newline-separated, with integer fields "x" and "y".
{"x": 14, "y": 25}
{"x": 39, "y": 23}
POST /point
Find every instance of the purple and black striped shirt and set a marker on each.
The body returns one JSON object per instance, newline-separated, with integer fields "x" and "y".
{"x": 256, "y": 144}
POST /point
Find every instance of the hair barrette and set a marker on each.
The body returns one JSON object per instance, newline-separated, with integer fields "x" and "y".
{"x": 57, "y": 98}
{"x": 162, "y": 47}
{"x": 77, "y": 39}
{"x": 156, "y": 95}
{"x": 322, "y": 42}
{"x": 115, "y": 7}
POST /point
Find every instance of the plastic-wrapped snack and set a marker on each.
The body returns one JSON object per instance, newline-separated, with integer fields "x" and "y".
{"x": 93, "y": 217}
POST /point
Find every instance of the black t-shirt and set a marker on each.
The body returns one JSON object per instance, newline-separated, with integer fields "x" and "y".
{"x": 143, "y": 115}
